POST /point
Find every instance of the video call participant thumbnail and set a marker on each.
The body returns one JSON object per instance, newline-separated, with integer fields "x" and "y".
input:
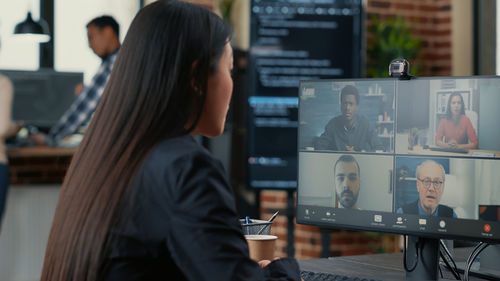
{"x": 456, "y": 130}
{"x": 349, "y": 131}
{"x": 430, "y": 186}
{"x": 347, "y": 182}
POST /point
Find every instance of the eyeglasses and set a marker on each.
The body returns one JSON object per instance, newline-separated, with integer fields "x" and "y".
{"x": 435, "y": 183}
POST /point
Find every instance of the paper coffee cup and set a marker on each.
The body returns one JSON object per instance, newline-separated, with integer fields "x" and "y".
{"x": 261, "y": 247}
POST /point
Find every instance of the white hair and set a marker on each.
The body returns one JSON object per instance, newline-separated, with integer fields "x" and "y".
{"x": 426, "y": 162}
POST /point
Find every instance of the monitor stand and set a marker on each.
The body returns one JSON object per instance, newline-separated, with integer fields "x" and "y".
{"x": 428, "y": 258}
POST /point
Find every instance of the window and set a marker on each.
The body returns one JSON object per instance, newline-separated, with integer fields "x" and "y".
{"x": 16, "y": 53}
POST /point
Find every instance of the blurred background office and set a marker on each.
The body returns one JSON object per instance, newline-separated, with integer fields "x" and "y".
{"x": 447, "y": 38}
{"x": 45, "y": 72}
{"x": 69, "y": 33}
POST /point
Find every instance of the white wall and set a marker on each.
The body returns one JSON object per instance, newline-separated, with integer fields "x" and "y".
{"x": 15, "y": 53}
{"x": 488, "y": 178}
{"x": 459, "y": 191}
{"x": 470, "y": 183}
{"x": 489, "y": 99}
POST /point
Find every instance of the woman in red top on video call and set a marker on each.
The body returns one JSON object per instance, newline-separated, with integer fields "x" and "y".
{"x": 456, "y": 130}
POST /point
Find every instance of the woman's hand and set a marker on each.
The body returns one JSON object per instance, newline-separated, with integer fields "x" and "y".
{"x": 264, "y": 263}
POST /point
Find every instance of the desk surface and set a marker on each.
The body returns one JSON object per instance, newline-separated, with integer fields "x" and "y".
{"x": 417, "y": 149}
{"x": 40, "y": 151}
{"x": 377, "y": 266}
{"x": 381, "y": 266}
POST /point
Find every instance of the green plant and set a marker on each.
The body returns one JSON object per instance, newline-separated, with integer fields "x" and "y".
{"x": 225, "y": 7}
{"x": 390, "y": 39}
{"x": 382, "y": 242}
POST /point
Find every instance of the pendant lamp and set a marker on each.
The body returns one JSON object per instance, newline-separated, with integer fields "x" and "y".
{"x": 37, "y": 31}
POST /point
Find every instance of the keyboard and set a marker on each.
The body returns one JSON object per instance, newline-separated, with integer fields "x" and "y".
{"x": 444, "y": 149}
{"x": 320, "y": 276}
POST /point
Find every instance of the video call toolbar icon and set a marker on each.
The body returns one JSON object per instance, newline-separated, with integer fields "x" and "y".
{"x": 442, "y": 224}
{"x": 422, "y": 221}
{"x": 487, "y": 228}
{"x": 377, "y": 218}
{"x": 401, "y": 220}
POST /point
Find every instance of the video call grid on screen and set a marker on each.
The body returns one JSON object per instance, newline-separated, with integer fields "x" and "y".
{"x": 399, "y": 127}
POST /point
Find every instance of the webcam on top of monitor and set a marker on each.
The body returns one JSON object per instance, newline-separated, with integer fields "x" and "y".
{"x": 400, "y": 68}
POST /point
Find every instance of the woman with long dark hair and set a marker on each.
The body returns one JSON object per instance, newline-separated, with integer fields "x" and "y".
{"x": 456, "y": 130}
{"x": 142, "y": 200}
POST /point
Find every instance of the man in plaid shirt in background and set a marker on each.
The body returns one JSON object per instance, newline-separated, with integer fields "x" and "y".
{"x": 103, "y": 34}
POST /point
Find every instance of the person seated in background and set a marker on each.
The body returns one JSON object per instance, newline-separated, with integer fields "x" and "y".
{"x": 349, "y": 131}
{"x": 7, "y": 129}
{"x": 430, "y": 186}
{"x": 456, "y": 130}
{"x": 103, "y": 35}
{"x": 142, "y": 200}
{"x": 347, "y": 182}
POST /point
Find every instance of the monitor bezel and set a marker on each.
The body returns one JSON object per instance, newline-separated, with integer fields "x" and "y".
{"x": 300, "y": 219}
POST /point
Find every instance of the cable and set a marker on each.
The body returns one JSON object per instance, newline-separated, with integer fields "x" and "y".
{"x": 473, "y": 254}
{"x": 448, "y": 258}
{"x": 404, "y": 256}
{"x": 470, "y": 260}
{"x": 455, "y": 274}
{"x": 445, "y": 248}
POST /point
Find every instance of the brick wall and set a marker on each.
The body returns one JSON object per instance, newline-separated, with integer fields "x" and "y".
{"x": 430, "y": 20}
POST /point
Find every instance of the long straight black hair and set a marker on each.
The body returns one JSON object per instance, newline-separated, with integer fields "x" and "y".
{"x": 156, "y": 91}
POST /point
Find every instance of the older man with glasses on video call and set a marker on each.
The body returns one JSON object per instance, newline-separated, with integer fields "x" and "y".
{"x": 430, "y": 186}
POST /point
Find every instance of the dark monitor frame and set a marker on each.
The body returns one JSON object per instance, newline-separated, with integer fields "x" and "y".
{"x": 447, "y": 235}
{"x": 364, "y": 220}
{"x": 283, "y": 177}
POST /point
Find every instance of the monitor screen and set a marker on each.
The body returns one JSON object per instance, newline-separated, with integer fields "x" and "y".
{"x": 41, "y": 97}
{"x": 418, "y": 157}
{"x": 281, "y": 54}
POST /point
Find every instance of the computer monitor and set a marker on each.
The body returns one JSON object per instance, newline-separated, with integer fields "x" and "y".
{"x": 283, "y": 50}
{"x": 429, "y": 171}
{"x": 41, "y": 97}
